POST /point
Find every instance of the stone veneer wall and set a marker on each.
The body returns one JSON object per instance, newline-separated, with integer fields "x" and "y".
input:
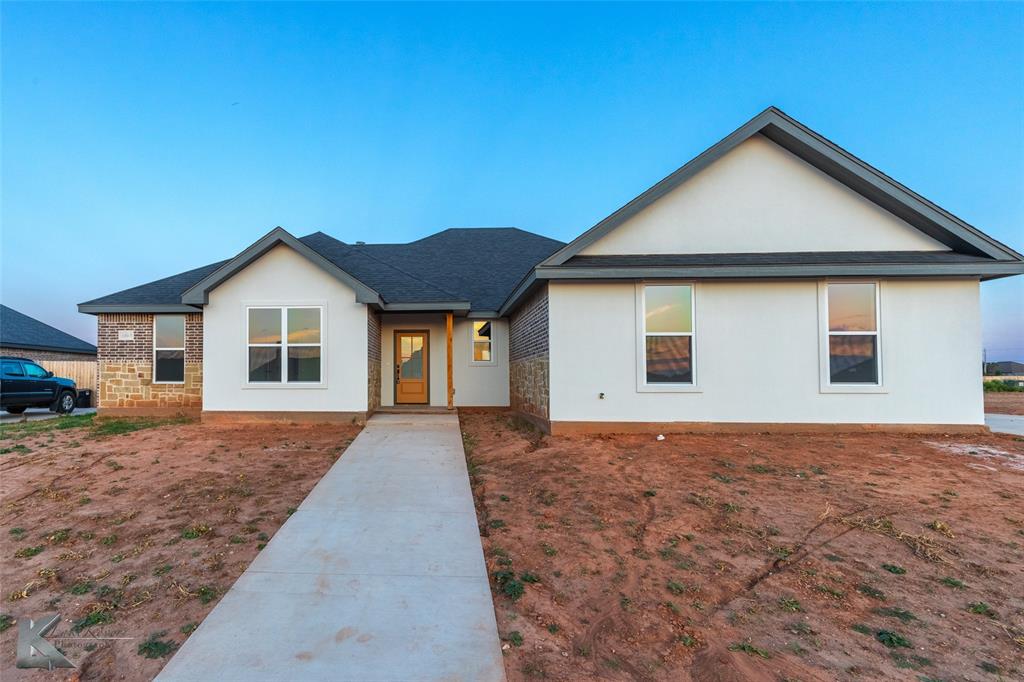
{"x": 373, "y": 330}
{"x": 529, "y": 357}
{"x": 126, "y": 367}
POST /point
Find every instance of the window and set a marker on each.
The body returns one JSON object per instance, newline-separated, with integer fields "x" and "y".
{"x": 284, "y": 345}
{"x": 852, "y": 318}
{"x": 667, "y": 331}
{"x": 11, "y": 368}
{"x": 169, "y": 349}
{"x": 482, "y": 342}
{"x": 35, "y": 371}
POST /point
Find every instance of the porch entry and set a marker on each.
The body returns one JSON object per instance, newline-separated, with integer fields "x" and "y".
{"x": 412, "y": 368}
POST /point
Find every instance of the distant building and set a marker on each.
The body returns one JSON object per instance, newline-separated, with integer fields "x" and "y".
{"x": 27, "y": 337}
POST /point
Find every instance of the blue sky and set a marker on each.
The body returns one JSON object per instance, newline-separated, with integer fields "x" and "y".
{"x": 143, "y": 139}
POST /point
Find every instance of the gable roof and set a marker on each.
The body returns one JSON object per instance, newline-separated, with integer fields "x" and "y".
{"x": 471, "y": 270}
{"x": 18, "y": 330}
{"x": 832, "y": 160}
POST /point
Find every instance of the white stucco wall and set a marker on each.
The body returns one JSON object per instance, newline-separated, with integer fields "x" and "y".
{"x": 475, "y": 385}
{"x": 282, "y": 277}
{"x": 757, "y": 356}
{"x": 761, "y": 198}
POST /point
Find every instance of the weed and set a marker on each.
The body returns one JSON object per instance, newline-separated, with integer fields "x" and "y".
{"x": 195, "y": 531}
{"x": 495, "y": 523}
{"x": 893, "y": 612}
{"x": 19, "y": 448}
{"x": 730, "y": 508}
{"x": 686, "y": 640}
{"x": 834, "y": 558}
{"x": 675, "y": 587}
{"x": 117, "y": 558}
{"x": 750, "y": 649}
{"x": 722, "y": 478}
{"x": 953, "y": 582}
{"x": 154, "y": 647}
{"x": 869, "y": 591}
{"x": 941, "y": 527}
{"x": 18, "y": 533}
{"x": 862, "y": 629}
{"x": 515, "y": 638}
{"x": 82, "y": 587}
{"x": 26, "y": 552}
{"x": 509, "y": 586}
{"x": 236, "y": 540}
{"x": 831, "y": 591}
{"x": 909, "y": 662}
{"x": 800, "y": 628}
{"x": 552, "y": 628}
{"x": 291, "y": 510}
{"x": 162, "y": 570}
{"x": 504, "y": 498}
{"x": 548, "y": 549}
{"x": 894, "y": 569}
{"x": 114, "y": 465}
{"x": 6, "y": 621}
{"x": 98, "y": 616}
{"x": 529, "y": 577}
{"x": 188, "y": 628}
{"x": 991, "y": 668}
{"x": 760, "y": 469}
{"x": 982, "y": 609}
{"x": 892, "y": 639}
{"x": 789, "y": 604}
{"x": 108, "y": 540}
{"x": 546, "y": 497}
{"x": 207, "y": 594}
{"x": 534, "y": 669}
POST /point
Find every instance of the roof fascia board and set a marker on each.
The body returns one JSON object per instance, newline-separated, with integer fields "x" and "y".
{"x": 830, "y": 159}
{"x": 10, "y": 345}
{"x": 994, "y": 268}
{"x": 96, "y": 308}
{"x": 199, "y": 294}
{"x": 524, "y": 287}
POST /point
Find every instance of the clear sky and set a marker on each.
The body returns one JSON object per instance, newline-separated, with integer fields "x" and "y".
{"x": 143, "y": 139}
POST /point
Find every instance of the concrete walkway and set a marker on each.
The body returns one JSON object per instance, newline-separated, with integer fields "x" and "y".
{"x": 1005, "y": 423}
{"x": 379, "y": 575}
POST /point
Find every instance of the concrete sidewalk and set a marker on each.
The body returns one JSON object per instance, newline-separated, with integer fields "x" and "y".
{"x": 1005, "y": 423}
{"x": 379, "y": 575}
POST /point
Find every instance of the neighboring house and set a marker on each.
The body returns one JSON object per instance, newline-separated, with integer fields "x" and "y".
{"x": 27, "y": 337}
{"x": 774, "y": 279}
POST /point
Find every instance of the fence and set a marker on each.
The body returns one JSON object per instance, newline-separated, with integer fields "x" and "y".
{"x": 82, "y": 372}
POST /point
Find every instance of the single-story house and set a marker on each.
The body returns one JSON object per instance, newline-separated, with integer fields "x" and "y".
{"x": 774, "y": 279}
{"x": 27, "y": 337}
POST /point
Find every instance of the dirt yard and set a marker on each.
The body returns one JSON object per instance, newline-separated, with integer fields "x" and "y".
{"x": 134, "y": 529}
{"x": 1005, "y": 403}
{"x": 752, "y": 557}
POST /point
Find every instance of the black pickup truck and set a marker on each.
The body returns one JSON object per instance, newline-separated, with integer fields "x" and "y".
{"x": 24, "y": 384}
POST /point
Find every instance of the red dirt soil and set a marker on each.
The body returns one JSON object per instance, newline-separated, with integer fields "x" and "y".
{"x": 145, "y": 529}
{"x": 1005, "y": 403}
{"x": 752, "y": 557}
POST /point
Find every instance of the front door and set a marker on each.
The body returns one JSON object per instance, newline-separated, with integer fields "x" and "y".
{"x": 412, "y": 368}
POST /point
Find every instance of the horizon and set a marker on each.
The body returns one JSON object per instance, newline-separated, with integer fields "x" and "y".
{"x": 142, "y": 141}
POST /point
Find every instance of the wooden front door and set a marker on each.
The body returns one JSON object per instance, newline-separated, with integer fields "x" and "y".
{"x": 412, "y": 368}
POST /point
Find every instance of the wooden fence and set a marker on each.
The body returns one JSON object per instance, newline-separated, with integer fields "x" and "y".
{"x": 82, "y": 372}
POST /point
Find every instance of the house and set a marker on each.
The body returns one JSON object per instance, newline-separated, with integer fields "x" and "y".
{"x": 774, "y": 279}
{"x": 24, "y": 336}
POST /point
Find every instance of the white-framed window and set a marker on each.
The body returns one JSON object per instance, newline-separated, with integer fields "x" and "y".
{"x": 851, "y": 336}
{"x": 666, "y": 337}
{"x": 168, "y": 349}
{"x": 482, "y": 340}
{"x": 284, "y": 345}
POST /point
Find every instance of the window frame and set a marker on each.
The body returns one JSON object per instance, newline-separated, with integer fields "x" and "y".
{"x": 184, "y": 343}
{"x": 283, "y": 382}
{"x": 824, "y": 335}
{"x": 642, "y": 386}
{"x": 472, "y": 343}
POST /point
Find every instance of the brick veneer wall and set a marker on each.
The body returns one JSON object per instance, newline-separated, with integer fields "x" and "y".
{"x": 44, "y": 355}
{"x": 529, "y": 371}
{"x": 373, "y": 331}
{"x": 125, "y": 373}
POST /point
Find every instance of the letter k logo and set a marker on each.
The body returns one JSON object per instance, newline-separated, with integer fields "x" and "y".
{"x": 33, "y": 650}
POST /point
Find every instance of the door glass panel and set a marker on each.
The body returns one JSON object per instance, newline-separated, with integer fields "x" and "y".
{"x": 35, "y": 371}
{"x": 412, "y": 357}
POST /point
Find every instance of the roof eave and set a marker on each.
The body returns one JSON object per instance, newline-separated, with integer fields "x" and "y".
{"x": 199, "y": 294}
{"x": 827, "y": 157}
{"x": 97, "y": 308}
{"x": 13, "y": 345}
{"x": 988, "y": 270}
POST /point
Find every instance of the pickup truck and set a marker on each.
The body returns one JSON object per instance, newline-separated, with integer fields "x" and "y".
{"x": 24, "y": 384}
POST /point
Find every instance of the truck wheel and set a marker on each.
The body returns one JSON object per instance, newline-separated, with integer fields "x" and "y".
{"x": 15, "y": 410}
{"x": 66, "y": 403}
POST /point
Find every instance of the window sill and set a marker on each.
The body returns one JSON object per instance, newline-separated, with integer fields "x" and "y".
{"x": 168, "y": 383}
{"x": 852, "y": 388}
{"x": 277, "y": 386}
{"x": 492, "y": 363}
{"x": 668, "y": 388}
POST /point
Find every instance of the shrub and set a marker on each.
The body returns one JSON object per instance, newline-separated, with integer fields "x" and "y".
{"x": 1000, "y": 386}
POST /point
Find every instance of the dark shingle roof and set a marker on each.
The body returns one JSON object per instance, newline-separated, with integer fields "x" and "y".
{"x": 478, "y": 265}
{"x": 18, "y": 330}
